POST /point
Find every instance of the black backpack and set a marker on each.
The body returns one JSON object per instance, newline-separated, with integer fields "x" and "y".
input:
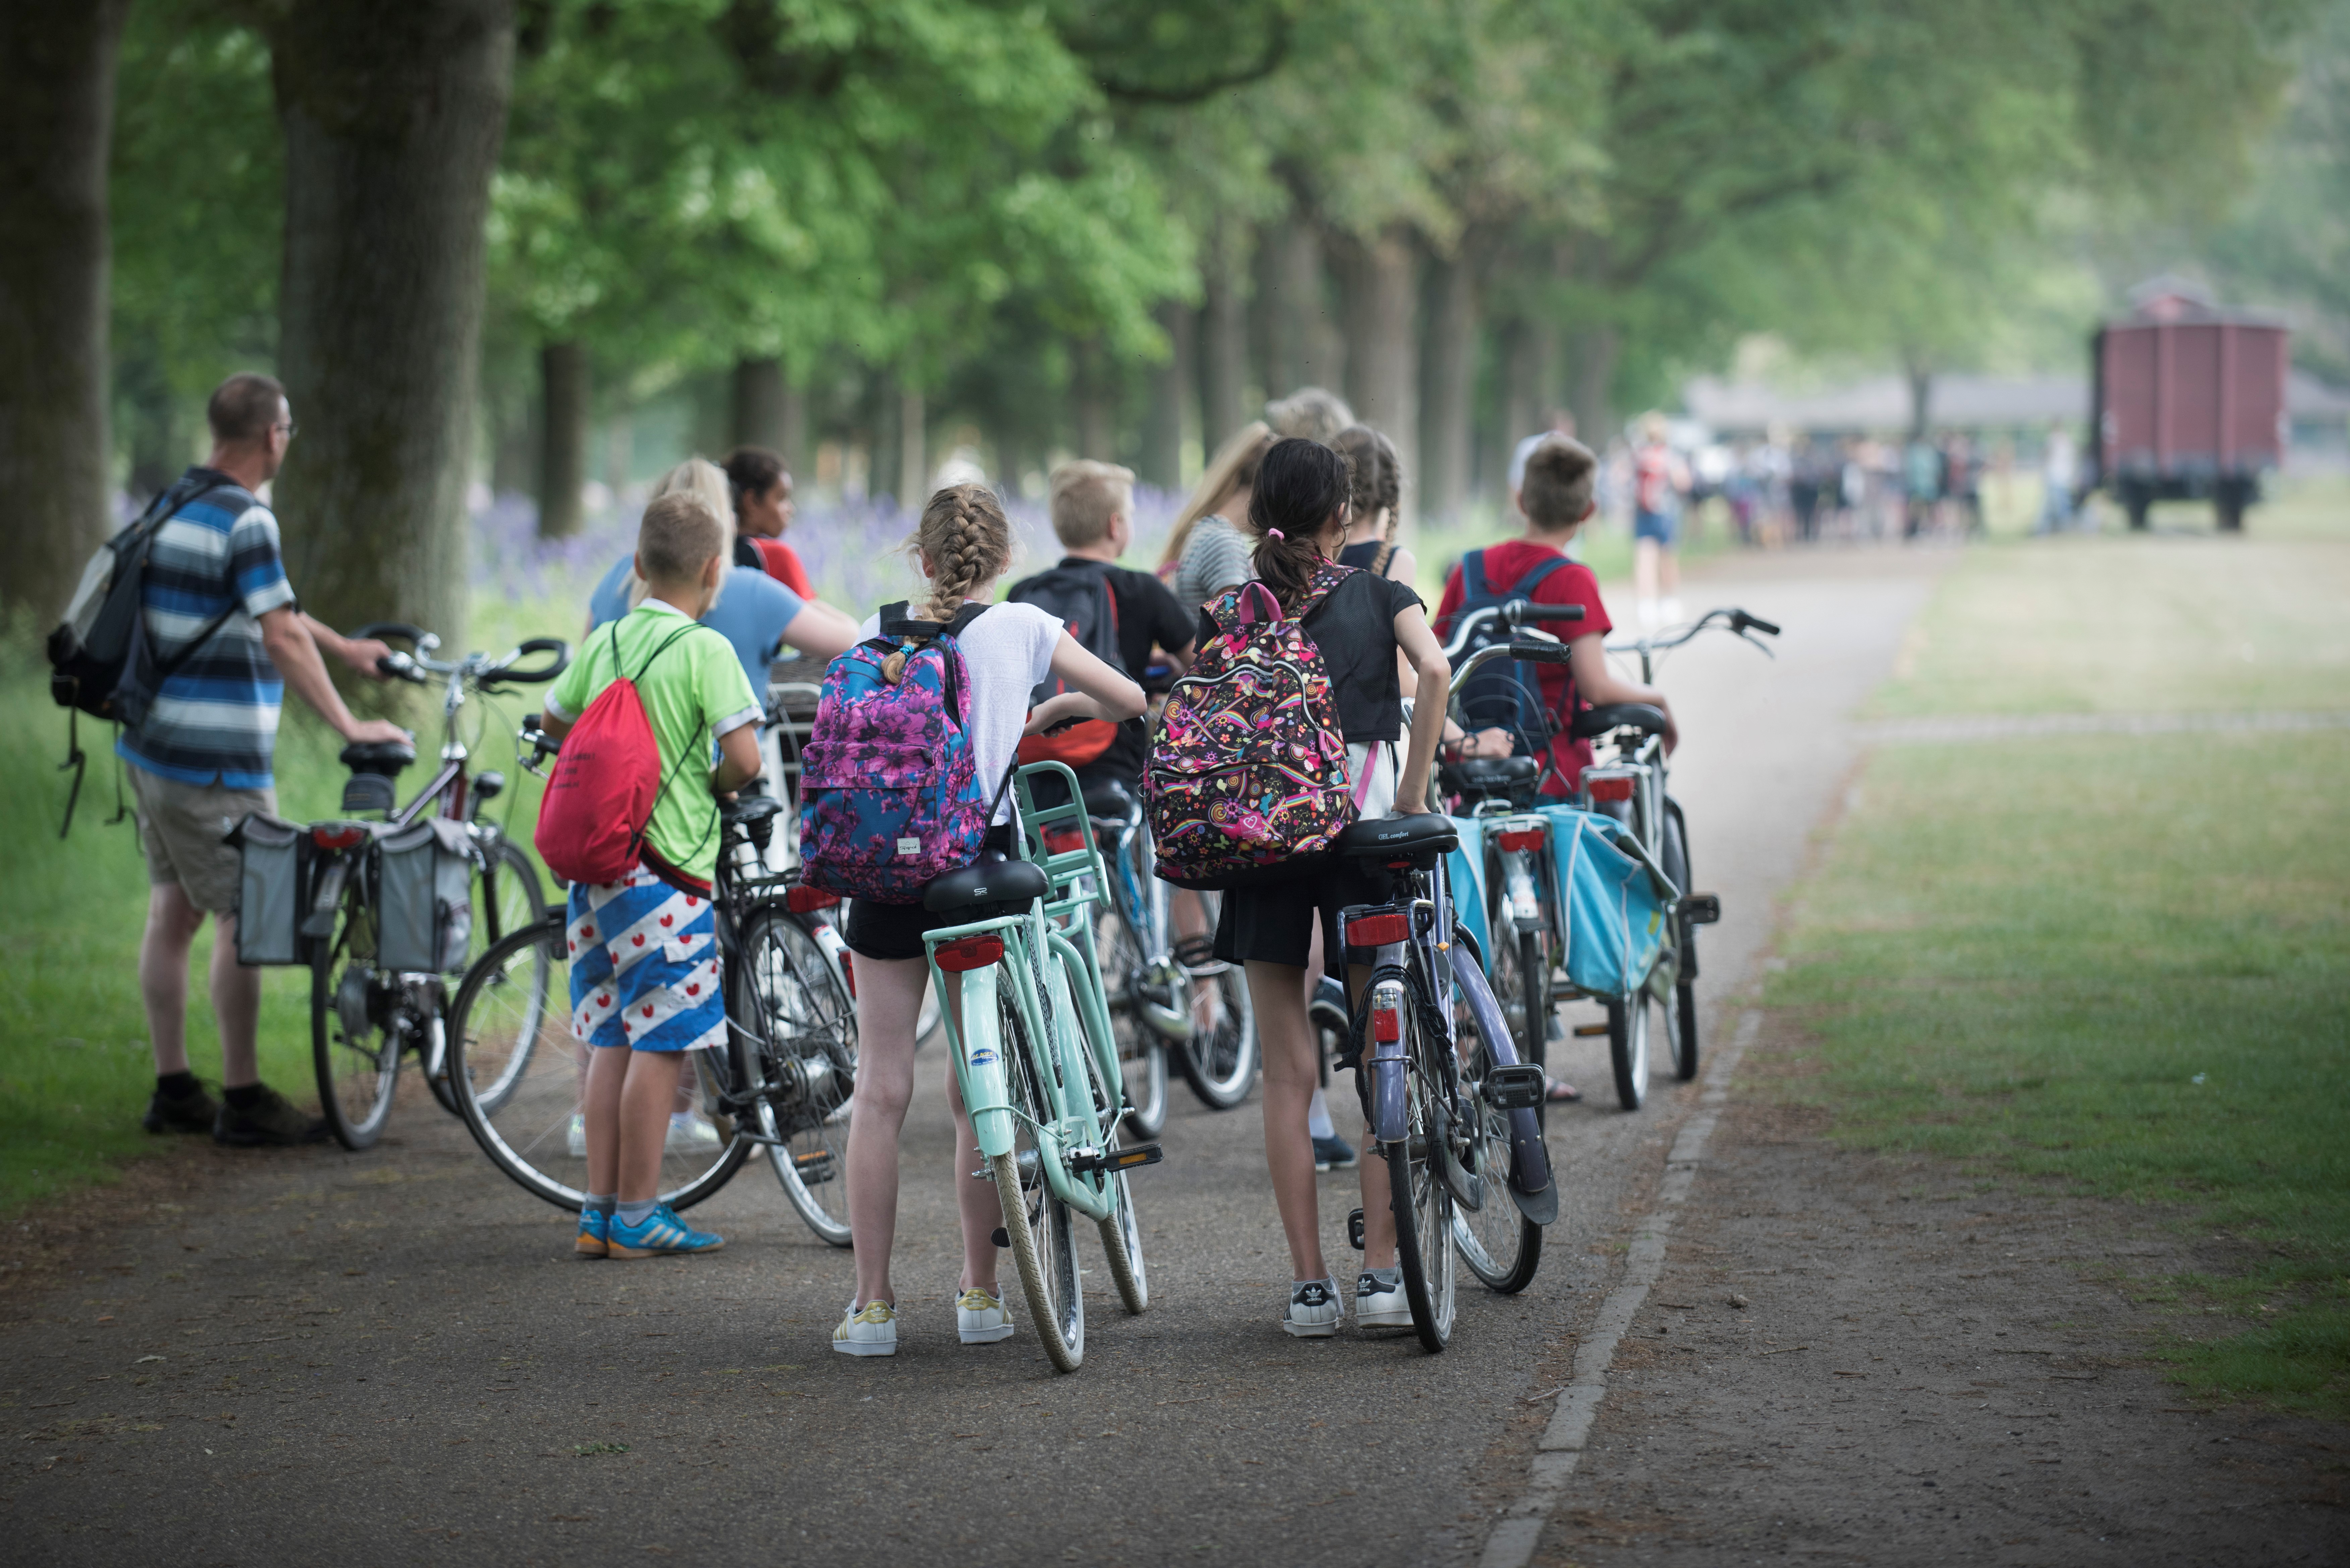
{"x": 100, "y": 662}
{"x": 1503, "y": 695}
{"x": 1078, "y": 595}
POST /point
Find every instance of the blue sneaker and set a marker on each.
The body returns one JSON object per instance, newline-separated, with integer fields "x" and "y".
{"x": 595, "y": 1234}
{"x": 661, "y": 1232}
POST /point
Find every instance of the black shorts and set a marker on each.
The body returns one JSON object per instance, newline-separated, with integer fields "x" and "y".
{"x": 896, "y": 930}
{"x": 1273, "y": 922}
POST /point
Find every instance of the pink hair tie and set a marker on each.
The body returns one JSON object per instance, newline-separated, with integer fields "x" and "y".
{"x": 1275, "y": 534}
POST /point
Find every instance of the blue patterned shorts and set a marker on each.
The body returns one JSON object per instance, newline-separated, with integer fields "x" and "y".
{"x": 644, "y": 966}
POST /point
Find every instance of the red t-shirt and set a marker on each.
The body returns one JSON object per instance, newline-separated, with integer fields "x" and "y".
{"x": 783, "y": 564}
{"x": 1572, "y": 583}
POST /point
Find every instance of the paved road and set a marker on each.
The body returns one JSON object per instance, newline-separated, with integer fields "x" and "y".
{"x": 371, "y": 1358}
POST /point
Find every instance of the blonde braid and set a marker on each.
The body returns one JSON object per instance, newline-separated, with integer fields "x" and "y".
{"x": 967, "y": 540}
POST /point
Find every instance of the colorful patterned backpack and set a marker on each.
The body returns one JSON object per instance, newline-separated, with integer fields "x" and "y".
{"x": 890, "y": 794}
{"x": 1248, "y": 776}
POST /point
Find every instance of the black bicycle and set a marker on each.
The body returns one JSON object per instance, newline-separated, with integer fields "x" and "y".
{"x": 403, "y": 898}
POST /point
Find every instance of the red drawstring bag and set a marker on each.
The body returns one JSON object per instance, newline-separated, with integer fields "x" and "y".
{"x": 606, "y": 781}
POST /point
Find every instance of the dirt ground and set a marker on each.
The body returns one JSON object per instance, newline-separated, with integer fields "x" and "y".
{"x": 1850, "y": 1358}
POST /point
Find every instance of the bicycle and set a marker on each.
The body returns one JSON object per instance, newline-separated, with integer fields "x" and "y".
{"x": 1631, "y": 785}
{"x": 1035, "y": 1057}
{"x": 1156, "y": 982}
{"x": 363, "y": 1017}
{"x": 781, "y": 1082}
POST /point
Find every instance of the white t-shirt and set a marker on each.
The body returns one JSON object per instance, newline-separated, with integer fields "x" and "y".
{"x": 1007, "y": 652}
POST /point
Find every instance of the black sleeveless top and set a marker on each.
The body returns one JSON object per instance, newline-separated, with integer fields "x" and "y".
{"x": 1366, "y": 555}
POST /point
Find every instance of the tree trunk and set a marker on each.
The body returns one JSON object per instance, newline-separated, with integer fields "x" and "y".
{"x": 1451, "y": 372}
{"x": 392, "y": 116}
{"x": 913, "y": 462}
{"x": 1387, "y": 350}
{"x": 562, "y": 438}
{"x": 1090, "y": 406}
{"x": 1920, "y": 376}
{"x": 1590, "y": 398}
{"x": 1172, "y": 393}
{"x": 1224, "y": 342}
{"x": 1516, "y": 343}
{"x": 56, "y": 120}
{"x": 758, "y": 419}
{"x": 1307, "y": 349}
{"x": 790, "y": 432}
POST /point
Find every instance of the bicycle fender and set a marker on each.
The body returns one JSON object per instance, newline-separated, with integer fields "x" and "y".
{"x": 981, "y": 1065}
{"x": 1518, "y": 883}
{"x": 1531, "y": 1186}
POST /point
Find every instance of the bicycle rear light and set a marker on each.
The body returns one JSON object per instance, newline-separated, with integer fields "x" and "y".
{"x": 1387, "y": 1015}
{"x": 1609, "y": 786}
{"x": 849, "y": 972}
{"x": 1064, "y": 840}
{"x": 969, "y": 952}
{"x": 338, "y": 834}
{"x": 1379, "y": 931}
{"x": 1523, "y": 838}
{"x": 806, "y": 900}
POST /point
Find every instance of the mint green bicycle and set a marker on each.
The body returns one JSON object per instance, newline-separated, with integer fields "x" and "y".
{"x": 1036, "y": 1059}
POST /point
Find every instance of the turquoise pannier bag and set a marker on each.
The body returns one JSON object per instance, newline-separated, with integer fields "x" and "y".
{"x": 1615, "y": 912}
{"x": 1464, "y": 872}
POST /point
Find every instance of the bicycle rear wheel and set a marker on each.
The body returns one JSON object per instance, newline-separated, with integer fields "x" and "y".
{"x": 1121, "y": 1232}
{"x": 1521, "y": 974}
{"x": 356, "y": 1024}
{"x": 801, "y": 1046}
{"x": 1415, "y": 1191}
{"x": 507, "y": 897}
{"x": 1500, "y": 1244}
{"x": 1682, "y": 1033}
{"x": 1141, "y": 1054}
{"x": 1038, "y": 1225}
{"x": 1220, "y": 1059}
{"x": 507, "y": 1030}
{"x": 1627, "y": 1047}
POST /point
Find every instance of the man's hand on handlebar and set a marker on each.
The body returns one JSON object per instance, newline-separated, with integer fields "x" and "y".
{"x": 362, "y": 653}
{"x": 366, "y": 730}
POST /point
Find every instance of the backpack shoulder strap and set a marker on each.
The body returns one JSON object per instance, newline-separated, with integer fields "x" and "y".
{"x": 1331, "y": 575}
{"x": 688, "y": 630}
{"x": 1536, "y": 575}
{"x": 965, "y": 616}
{"x": 1472, "y": 576}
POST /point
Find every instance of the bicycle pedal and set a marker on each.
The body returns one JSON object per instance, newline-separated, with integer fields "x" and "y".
{"x": 1515, "y": 1088}
{"x": 1701, "y": 908}
{"x": 1589, "y": 1030}
{"x": 1000, "y": 1236}
{"x": 814, "y": 1168}
{"x": 1355, "y": 1230}
{"x": 1127, "y": 1159}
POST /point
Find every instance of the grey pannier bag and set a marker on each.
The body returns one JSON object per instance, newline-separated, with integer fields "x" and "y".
{"x": 424, "y": 897}
{"x": 272, "y": 863}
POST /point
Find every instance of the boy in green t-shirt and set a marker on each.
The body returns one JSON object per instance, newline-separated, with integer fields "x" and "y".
{"x": 645, "y": 968}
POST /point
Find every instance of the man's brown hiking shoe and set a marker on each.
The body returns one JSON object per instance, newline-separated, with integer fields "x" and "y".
{"x": 191, "y": 1113}
{"x": 271, "y": 1119}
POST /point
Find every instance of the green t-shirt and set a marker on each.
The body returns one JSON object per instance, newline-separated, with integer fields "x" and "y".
{"x": 693, "y": 693}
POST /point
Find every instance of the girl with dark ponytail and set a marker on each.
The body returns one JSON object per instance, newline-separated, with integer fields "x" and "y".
{"x": 1359, "y": 623}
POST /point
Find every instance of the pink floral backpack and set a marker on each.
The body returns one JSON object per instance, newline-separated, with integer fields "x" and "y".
{"x": 1248, "y": 775}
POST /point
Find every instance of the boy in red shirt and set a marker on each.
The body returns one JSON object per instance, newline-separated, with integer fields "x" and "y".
{"x": 1556, "y": 500}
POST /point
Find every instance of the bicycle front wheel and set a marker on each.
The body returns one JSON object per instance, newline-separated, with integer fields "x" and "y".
{"x": 1220, "y": 1059}
{"x": 1122, "y": 1233}
{"x": 800, "y": 1035}
{"x": 1037, "y": 1226}
{"x": 1141, "y": 1054}
{"x": 1501, "y": 1245}
{"x": 1417, "y": 1192}
{"x": 507, "y": 897}
{"x": 508, "y": 1031}
{"x": 356, "y": 1013}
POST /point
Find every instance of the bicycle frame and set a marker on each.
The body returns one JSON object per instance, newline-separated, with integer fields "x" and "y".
{"x": 1060, "y": 1022}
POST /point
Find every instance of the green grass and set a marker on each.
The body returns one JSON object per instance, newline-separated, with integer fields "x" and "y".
{"x": 2119, "y": 962}
{"x": 75, "y": 1067}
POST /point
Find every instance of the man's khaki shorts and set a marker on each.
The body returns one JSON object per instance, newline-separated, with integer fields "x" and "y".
{"x": 180, "y": 828}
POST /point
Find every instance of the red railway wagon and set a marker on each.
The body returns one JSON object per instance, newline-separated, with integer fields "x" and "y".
{"x": 2189, "y": 405}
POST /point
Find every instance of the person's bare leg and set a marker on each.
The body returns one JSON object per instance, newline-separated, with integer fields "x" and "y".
{"x": 163, "y": 949}
{"x": 1644, "y": 570}
{"x": 889, "y": 995}
{"x": 1187, "y": 913}
{"x": 689, "y": 1083}
{"x": 978, "y": 1206}
{"x": 1285, "y": 1037}
{"x": 1668, "y": 571}
{"x": 645, "y": 1096}
{"x": 236, "y": 1004}
{"x": 599, "y": 1106}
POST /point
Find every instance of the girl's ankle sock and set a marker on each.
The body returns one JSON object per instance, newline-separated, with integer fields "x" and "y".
{"x": 603, "y": 1202}
{"x": 636, "y": 1214}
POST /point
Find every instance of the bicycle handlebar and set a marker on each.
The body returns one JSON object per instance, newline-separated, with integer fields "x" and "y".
{"x": 419, "y": 666}
{"x": 1513, "y": 614}
{"x": 1735, "y": 621}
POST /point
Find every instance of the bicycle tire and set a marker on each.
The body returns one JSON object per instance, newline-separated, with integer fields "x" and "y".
{"x": 1220, "y": 1063}
{"x": 507, "y": 897}
{"x": 1118, "y": 949}
{"x": 1502, "y": 1246}
{"x": 1520, "y": 970}
{"x": 1627, "y": 1048}
{"x": 1036, "y": 1225}
{"x": 357, "y": 1069}
{"x": 1683, "y": 1022}
{"x": 799, "y": 1026}
{"x": 1121, "y": 1232}
{"x": 534, "y": 1135}
{"x": 1420, "y": 1199}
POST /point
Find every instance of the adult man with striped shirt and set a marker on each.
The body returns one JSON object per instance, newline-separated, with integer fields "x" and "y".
{"x": 217, "y": 601}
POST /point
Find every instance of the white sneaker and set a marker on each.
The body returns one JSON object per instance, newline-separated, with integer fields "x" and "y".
{"x": 1314, "y": 1310}
{"x": 688, "y": 1133}
{"x": 868, "y": 1330}
{"x": 1668, "y": 612}
{"x": 1644, "y": 612}
{"x": 1381, "y": 1304}
{"x": 979, "y": 1318}
{"x": 577, "y": 1142}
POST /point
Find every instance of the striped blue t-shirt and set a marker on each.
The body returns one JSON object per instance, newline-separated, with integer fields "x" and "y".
{"x": 217, "y": 717}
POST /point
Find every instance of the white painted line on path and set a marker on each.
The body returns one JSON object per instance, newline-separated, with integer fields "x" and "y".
{"x": 1560, "y": 1448}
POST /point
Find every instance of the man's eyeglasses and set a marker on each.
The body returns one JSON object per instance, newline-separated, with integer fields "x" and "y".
{"x": 288, "y": 427}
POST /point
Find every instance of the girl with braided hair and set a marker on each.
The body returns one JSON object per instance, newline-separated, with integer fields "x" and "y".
{"x": 964, "y": 546}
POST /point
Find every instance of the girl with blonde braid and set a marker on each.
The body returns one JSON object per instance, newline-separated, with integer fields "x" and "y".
{"x": 964, "y": 546}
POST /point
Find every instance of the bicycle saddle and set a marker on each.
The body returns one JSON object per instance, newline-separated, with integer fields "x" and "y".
{"x": 384, "y": 757}
{"x": 1640, "y": 716}
{"x": 989, "y": 888}
{"x": 1490, "y": 775}
{"x": 749, "y": 808}
{"x": 1109, "y": 799}
{"x": 1420, "y": 839}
